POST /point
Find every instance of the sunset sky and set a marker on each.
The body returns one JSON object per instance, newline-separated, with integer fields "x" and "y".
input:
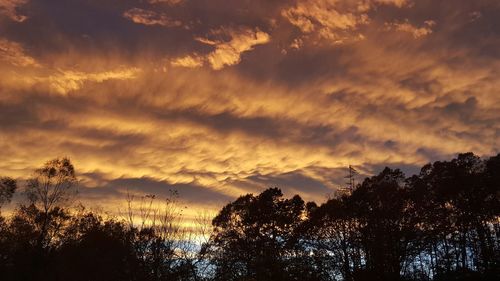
{"x": 219, "y": 98}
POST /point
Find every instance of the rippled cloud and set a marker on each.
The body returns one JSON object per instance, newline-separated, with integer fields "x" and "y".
{"x": 219, "y": 98}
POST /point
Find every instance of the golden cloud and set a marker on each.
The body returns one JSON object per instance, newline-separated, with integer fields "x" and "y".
{"x": 228, "y": 53}
{"x": 28, "y": 74}
{"x": 64, "y": 82}
{"x": 9, "y": 9}
{"x": 286, "y": 119}
{"x": 147, "y": 17}
{"x": 334, "y": 20}
{"x": 14, "y": 54}
{"x": 168, "y": 2}
{"x": 226, "y": 133}
{"x": 397, "y": 3}
{"x": 189, "y": 61}
{"x": 416, "y": 32}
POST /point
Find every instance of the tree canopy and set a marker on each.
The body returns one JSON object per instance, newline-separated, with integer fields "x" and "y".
{"x": 441, "y": 224}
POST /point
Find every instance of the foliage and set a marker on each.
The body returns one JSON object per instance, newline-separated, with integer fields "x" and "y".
{"x": 7, "y": 188}
{"x": 442, "y": 224}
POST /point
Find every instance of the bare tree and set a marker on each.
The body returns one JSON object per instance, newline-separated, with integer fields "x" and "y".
{"x": 159, "y": 237}
{"x": 52, "y": 185}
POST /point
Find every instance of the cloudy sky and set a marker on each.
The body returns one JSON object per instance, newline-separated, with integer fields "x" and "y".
{"x": 217, "y": 98}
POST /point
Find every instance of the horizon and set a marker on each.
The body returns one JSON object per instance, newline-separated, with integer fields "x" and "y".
{"x": 188, "y": 215}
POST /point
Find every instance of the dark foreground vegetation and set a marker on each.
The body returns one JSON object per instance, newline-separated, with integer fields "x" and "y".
{"x": 442, "y": 224}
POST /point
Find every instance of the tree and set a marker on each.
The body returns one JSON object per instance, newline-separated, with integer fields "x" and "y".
{"x": 35, "y": 229}
{"x": 458, "y": 202}
{"x": 96, "y": 249}
{"x": 380, "y": 205}
{"x": 52, "y": 185}
{"x": 442, "y": 224}
{"x": 159, "y": 240}
{"x": 489, "y": 222}
{"x": 333, "y": 232}
{"x": 7, "y": 188}
{"x": 254, "y": 239}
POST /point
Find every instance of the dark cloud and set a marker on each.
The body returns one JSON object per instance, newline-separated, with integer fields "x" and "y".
{"x": 407, "y": 169}
{"x": 15, "y": 115}
{"x": 464, "y": 110}
{"x": 431, "y": 154}
{"x": 188, "y": 192}
{"x": 421, "y": 85}
{"x": 290, "y": 183}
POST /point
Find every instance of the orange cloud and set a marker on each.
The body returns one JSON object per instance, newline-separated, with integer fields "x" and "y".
{"x": 189, "y": 61}
{"x": 169, "y": 2}
{"x": 416, "y": 32}
{"x": 228, "y": 53}
{"x": 64, "y": 82}
{"x": 397, "y": 3}
{"x": 148, "y": 17}
{"x": 13, "y": 53}
{"x": 292, "y": 119}
{"x": 334, "y": 20}
{"x": 9, "y": 9}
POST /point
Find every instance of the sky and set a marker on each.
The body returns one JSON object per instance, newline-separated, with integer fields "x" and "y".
{"x": 219, "y": 98}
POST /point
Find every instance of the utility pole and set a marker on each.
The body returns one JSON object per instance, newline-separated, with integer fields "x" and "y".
{"x": 351, "y": 184}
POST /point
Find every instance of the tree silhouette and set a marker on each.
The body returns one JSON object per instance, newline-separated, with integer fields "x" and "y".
{"x": 380, "y": 205}
{"x": 441, "y": 224}
{"x": 94, "y": 249}
{"x": 254, "y": 239}
{"x": 459, "y": 203}
{"x": 51, "y": 185}
{"x": 7, "y": 188}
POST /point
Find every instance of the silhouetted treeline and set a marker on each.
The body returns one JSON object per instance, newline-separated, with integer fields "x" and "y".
{"x": 442, "y": 224}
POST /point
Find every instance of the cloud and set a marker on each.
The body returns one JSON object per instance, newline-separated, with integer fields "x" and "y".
{"x": 9, "y": 8}
{"x": 294, "y": 182}
{"x": 229, "y": 52}
{"x": 147, "y": 17}
{"x": 58, "y": 81}
{"x": 397, "y": 3}
{"x": 189, "y": 61}
{"x": 168, "y": 2}
{"x": 13, "y": 53}
{"x": 140, "y": 105}
{"x": 474, "y": 16}
{"x": 324, "y": 18}
{"x": 64, "y": 82}
{"x": 188, "y": 192}
{"x": 334, "y": 21}
{"x": 416, "y": 32}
